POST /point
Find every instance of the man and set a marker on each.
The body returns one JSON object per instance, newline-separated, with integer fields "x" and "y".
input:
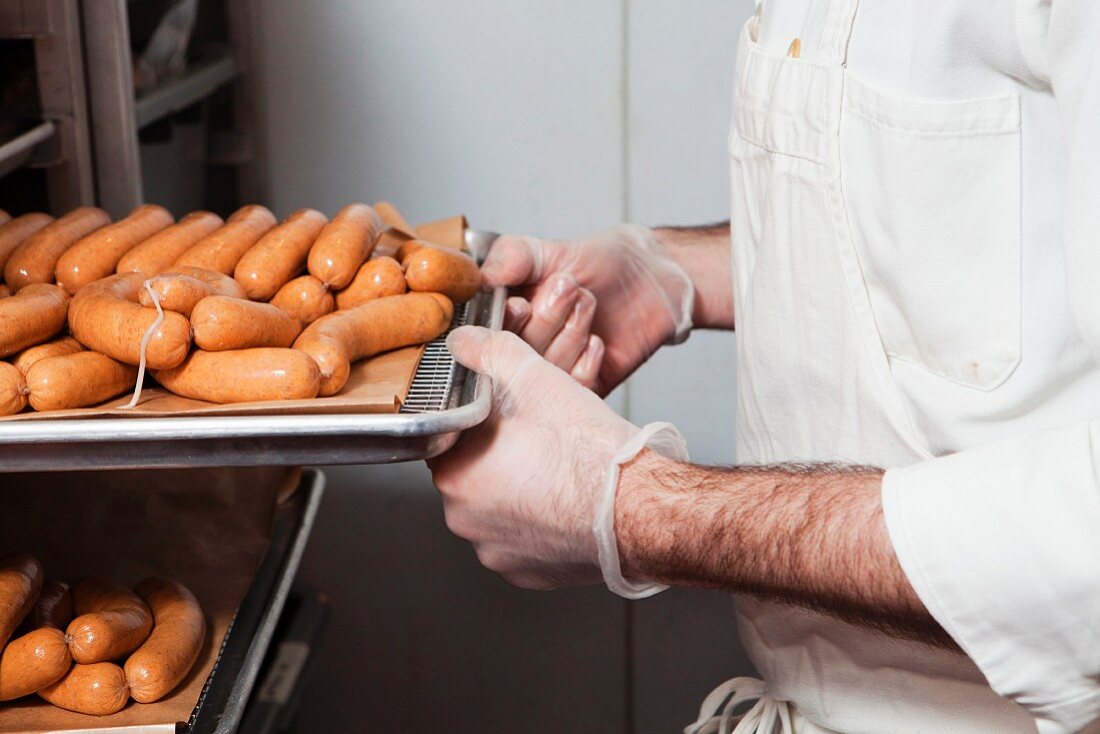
{"x": 915, "y": 536}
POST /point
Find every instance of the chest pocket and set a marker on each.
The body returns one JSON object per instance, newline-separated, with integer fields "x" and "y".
{"x": 932, "y": 193}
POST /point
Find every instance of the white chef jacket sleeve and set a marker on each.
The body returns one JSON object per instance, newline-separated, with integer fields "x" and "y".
{"x": 1002, "y": 542}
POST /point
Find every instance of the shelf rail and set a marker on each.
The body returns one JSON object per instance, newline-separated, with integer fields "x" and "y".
{"x": 15, "y": 152}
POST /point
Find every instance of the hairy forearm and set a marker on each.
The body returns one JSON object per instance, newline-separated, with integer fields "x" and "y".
{"x": 704, "y": 253}
{"x": 808, "y": 535}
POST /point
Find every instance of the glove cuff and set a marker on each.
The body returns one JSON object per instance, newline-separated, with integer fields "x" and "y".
{"x": 674, "y": 285}
{"x": 665, "y": 440}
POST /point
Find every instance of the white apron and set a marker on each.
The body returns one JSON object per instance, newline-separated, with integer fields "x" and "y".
{"x": 805, "y": 322}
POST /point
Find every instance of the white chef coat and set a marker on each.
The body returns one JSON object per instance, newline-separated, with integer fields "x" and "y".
{"x": 916, "y": 255}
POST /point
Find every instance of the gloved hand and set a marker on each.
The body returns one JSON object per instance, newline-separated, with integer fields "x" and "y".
{"x": 597, "y": 307}
{"x": 533, "y": 487}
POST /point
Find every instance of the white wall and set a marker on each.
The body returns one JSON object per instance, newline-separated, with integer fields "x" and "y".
{"x": 552, "y": 118}
{"x": 680, "y": 65}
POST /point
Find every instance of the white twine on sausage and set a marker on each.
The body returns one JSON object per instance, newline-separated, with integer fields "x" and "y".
{"x": 145, "y": 345}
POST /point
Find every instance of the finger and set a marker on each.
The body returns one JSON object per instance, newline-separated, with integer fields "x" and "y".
{"x": 550, "y": 309}
{"x": 499, "y": 354}
{"x": 513, "y": 261}
{"x": 568, "y": 344}
{"x": 587, "y": 369}
{"x": 517, "y": 312}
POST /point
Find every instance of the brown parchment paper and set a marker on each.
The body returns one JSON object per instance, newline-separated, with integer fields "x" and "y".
{"x": 397, "y": 232}
{"x": 450, "y": 232}
{"x": 208, "y": 528}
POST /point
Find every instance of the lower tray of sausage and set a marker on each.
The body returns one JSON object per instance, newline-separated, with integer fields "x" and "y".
{"x": 179, "y": 651}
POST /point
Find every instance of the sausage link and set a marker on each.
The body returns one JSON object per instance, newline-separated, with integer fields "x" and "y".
{"x": 31, "y": 316}
{"x": 13, "y": 233}
{"x": 36, "y": 258}
{"x": 106, "y": 316}
{"x": 344, "y": 244}
{"x": 20, "y": 585}
{"x": 111, "y": 621}
{"x": 244, "y": 376}
{"x": 13, "y": 389}
{"x": 156, "y": 254}
{"x": 54, "y": 607}
{"x": 306, "y": 298}
{"x": 221, "y": 323}
{"x": 32, "y": 662}
{"x": 98, "y": 690}
{"x": 78, "y": 381}
{"x": 279, "y": 255}
{"x": 433, "y": 269}
{"x": 96, "y": 255}
{"x": 408, "y": 247}
{"x": 377, "y": 278}
{"x": 221, "y": 249}
{"x": 55, "y": 348}
{"x": 183, "y": 287}
{"x": 337, "y": 340}
{"x": 179, "y": 630}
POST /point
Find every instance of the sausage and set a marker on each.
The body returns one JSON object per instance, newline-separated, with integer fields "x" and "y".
{"x": 32, "y": 662}
{"x": 168, "y": 655}
{"x": 78, "y": 380}
{"x": 244, "y": 376}
{"x": 96, "y": 255}
{"x": 54, "y": 608}
{"x": 99, "y": 690}
{"x": 106, "y": 316}
{"x": 408, "y": 246}
{"x": 337, "y": 340}
{"x": 183, "y": 287}
{"x": 156, "y": 254}
{"x": 56, "y": 348}
{"x": 279, "y": 255}
{"x": 221, "y": 323}
{"x": 376, "y": 279}
{"x": 36, "y": 258}
{"x": 433, "y": 269}
{"x": 4, "y": 290}
{"x": 111, "y": 621}
{"x": 31, "y": 316}
{"x": 20, "y": 585}
{"x": 13, "y": 233}
{"x": 344, "y": 244}
{"x": 306, "y": 297}
{"x": 13, "y": 389}
{"x": 221, "y": 249}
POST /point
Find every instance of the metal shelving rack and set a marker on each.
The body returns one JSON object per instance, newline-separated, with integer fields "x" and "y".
{"x": 118, "y": 115}
{"x": 60, "y": 143}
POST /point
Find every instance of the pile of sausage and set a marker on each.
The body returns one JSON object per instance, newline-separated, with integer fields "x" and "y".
{"x": 66, "y": 644}
{"x": 274, "y": 311}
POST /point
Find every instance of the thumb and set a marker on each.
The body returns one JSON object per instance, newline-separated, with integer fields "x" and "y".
{"x": 514, "y": 261}
{"x": 499, "y": 354}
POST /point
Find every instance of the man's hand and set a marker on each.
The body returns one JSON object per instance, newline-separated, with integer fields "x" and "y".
{"x": 597, "y": 307}
{"x": 522, "y": 487}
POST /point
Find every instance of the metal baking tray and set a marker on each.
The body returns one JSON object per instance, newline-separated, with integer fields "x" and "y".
{"x": 444, "y": 400}
{"x": 230, "y": 684}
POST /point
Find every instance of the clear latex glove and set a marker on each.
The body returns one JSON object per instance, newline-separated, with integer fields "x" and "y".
{"x": 524, "y": 486}
{"x": 596, "y": 307}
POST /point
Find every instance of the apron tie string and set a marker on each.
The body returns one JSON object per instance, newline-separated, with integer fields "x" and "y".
{"x": 767, "y": 715}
